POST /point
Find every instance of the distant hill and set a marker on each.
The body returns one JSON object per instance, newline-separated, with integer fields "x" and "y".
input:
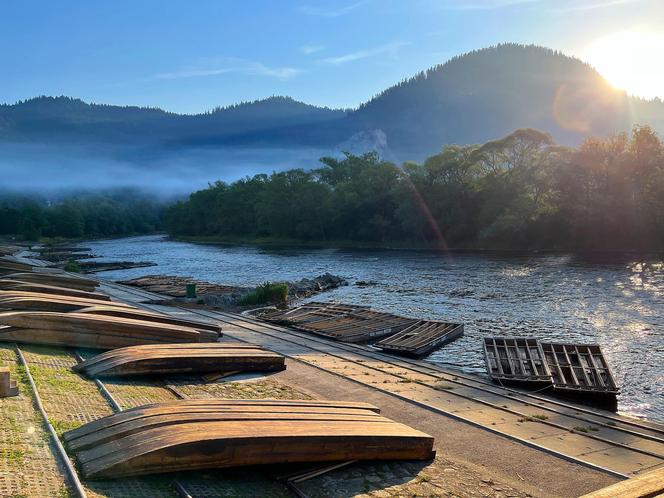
{"x": 470, "y": 99}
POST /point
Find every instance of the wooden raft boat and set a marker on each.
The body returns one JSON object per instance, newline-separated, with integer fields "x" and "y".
{"x": 204, "y": 434}
{"x": 192, "y": 358}
{"x": 358, "y": 326}
{"x": 19, "y": 285}
{"x": 55, "y": 280}
{"x": 36, "y": 301}
{"x": 92, "y": 331}
{"x": 580, "y": 369}
{"x": 516, "y": 360}
{"x": 11, "y": 265}
{"x": 421, "y": 338}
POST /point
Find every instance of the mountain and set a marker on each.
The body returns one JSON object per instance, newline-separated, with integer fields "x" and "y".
{"x": 488, "y": 93}
{"x": 472, "y": 98}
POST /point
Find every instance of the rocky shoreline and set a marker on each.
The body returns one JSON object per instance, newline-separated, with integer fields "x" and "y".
{"x": 225, "y": 296}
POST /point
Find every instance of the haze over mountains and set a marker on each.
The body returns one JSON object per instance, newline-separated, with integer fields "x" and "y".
{"x": 58, "y": 141}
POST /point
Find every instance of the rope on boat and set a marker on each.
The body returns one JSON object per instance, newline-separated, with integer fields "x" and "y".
{"x": 69, "y": 468}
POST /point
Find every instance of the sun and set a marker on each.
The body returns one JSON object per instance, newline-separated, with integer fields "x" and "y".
{"x": 630, "y": 60}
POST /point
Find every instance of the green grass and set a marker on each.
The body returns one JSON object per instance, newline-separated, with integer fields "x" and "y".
{"x": 267, "y": 293}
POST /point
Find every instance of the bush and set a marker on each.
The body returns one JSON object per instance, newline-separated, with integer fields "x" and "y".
{"x": 72, "y": 266}
{"x": 267, "y": 293}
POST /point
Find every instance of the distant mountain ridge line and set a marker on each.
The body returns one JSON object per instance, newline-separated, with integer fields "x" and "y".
{"x": 471, "y": 98}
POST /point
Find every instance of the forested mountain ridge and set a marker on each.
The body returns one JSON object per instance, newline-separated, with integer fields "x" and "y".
{"x": 470, "y": 99}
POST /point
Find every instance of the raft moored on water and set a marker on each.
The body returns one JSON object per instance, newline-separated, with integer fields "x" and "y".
{"x": 204, "y": 434}
{"x": 195, "y": 358}
{"x": 421, "y": 338}
{"x": 571, "y": 370}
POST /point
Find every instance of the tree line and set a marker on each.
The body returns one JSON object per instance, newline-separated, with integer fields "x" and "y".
{"x": 522, "y": 191}
{"x": 80, "y": 216}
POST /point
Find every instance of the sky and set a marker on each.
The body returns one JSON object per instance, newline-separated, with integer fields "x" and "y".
{"x": 191, "y": 56}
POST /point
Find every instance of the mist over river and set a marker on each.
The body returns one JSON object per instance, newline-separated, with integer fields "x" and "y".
{"x": 616, "y": 301}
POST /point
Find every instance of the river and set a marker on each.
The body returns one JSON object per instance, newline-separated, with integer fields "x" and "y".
{"x": 616, "y": 301}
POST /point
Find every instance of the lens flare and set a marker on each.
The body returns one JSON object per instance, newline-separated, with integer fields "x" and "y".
{"x": 631, "y": 61}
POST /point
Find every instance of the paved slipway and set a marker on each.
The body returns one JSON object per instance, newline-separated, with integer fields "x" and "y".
{"x": 537, "y": 444}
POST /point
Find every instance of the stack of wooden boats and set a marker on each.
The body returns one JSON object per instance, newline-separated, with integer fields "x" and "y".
{"x": 203, "y": 434}
{"x": 351, "y": 323}
{"x": 569, "y": 369}
{"x": 174, "y": 359}
{"x": 57, "y": 308}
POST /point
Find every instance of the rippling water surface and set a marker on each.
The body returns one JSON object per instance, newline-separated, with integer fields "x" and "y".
{"x": 617, "y": 302}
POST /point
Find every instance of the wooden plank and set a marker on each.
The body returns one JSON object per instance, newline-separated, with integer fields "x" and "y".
{"x": 95, "y": 331}
{"x": 648, "y": 485}
{"x": 517, "y": 361}
{"x": 55, "y": 279}
{"x": 138, "y": 314}
{"x": 180, "y": 436}
{"x": 421, "y": 338}
{"x": 42, "y": 288}
{"x": 34, "y": 301}
{"x": 192, "y": 358}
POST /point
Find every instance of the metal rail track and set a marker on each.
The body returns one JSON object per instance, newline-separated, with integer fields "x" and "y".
{"x": 70, "y": 471}
{"x": 115, "y": 406}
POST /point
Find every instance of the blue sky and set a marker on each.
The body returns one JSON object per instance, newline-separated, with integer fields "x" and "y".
{"x": 189, "y": 56}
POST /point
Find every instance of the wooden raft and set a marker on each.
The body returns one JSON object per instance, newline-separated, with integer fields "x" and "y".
{"x": 191, "y": 358}
{"x": 137, "y": 314}
{"x": 516, "y": 360}
{"x": 204, "y": 434}
{"x": 92, "y": 331}
{"x": 343, "y": 322}
{"x": 55, "y": 280}
{"x": 36, "y": 301}
{"x": 19, "y": 285}
{"x": 8, "y": 264}
{"x": 421, "y": 338}
{"x": 579, "y": 368}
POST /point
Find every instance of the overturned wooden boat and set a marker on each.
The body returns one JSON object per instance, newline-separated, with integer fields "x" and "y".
{"x": 19, "y": 285}
{"x": 55, "y": 280}
{"x": 516, "y": 360}
{"x": 421, "y": 338}
{"x": 204, "y": 434}
{"x": 580, "y": 370}
{"x": 9, "y": 264}
{"x": 36, "y": 301}
{"x": 92, "y": 331}
{"x": 193, "y": 358}
{"x": 138, "y": 314}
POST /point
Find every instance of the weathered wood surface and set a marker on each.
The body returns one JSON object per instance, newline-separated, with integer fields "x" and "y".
{"x": 10, "y": 265}
{"x": 191, "y": 358}
{"x": 8, "y": 386}
{"x": 516, "y": 359}
{"x": 55, "y": 279}
{"x": 92, "y": 331}
{"x": 343, "y": 322}
{"x": 35, "y": 301}
{"x": 579, "y": 368}
{"x": 138, "y": 314}
{"x": 421, "y": 338}
{"x": 648, "y": 485}
{"x": 202, "y": 434}
{"x": 18, "y": 285}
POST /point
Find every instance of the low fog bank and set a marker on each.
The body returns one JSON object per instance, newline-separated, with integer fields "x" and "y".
{"x": 49, "y": 169}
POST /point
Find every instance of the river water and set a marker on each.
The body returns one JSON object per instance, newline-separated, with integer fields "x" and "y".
{"x": 615, "y": 301}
